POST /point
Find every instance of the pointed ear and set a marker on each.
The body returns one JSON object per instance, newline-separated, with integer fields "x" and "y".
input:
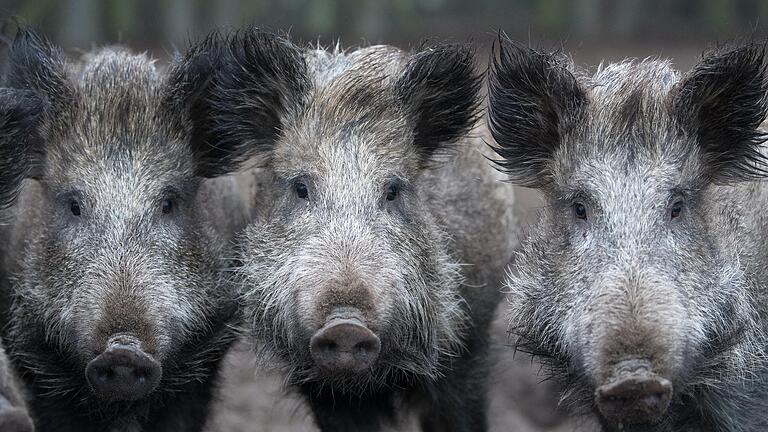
{"x": 721, "y": 104}
{"x": 237, "y": 90}
{"x": 533, "y": 99}
{"x": 38, "y": 88}
{"x": 37, "y": 65}
{"x": 439, "y": 89}
{"x": 19, "y": 112}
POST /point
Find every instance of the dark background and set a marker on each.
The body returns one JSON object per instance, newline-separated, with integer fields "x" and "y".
{"x": 590, "y": 29}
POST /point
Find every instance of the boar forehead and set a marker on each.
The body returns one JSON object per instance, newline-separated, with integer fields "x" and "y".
{"x": 628, "y": 114}
{"x": 626, "y": 157}
{"x": 350, "y": 122}
{"x": 626, "y": 143}
{"x": 115, "y": 123}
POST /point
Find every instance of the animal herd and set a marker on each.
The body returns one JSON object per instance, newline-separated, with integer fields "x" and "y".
{"x": 352, "y": 216}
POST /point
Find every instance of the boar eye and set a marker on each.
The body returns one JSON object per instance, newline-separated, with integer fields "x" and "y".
{"x": 167, "y": 206}
{"x": 676, "y": 209}
{"x": 301, "y": 190}
{"x": 392, "y": 192}
{"x": 580, "y": 211}
{"x": 74, "y": 207}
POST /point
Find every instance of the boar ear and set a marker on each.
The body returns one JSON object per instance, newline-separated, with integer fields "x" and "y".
{"x": 242, "y": 86}
{"x": 19, "y": 111}
{"x": 37, "y": 65}
{"x": 722, "y": 102}
{"x": 533, "y": 99}
{"x": 439, "y": 89}
{"x": 37, "y": 72}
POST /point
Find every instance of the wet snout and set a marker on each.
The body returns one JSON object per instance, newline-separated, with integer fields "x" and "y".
{"x": 634, "y": 394}
{"x": 123, "y": 372}
{"x": 345, "y": 343}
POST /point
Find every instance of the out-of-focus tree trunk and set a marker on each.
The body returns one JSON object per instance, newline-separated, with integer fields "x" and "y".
{"x": 180, "y": 21}
{"x": 80, "y": 23}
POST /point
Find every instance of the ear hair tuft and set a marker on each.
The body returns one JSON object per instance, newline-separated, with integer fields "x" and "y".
{"x": 238, "y": 88}
{"x": 37, "y": 65}
{"x": 532, "y": 96}
{"x": 19, "y": 111}
{"x": 723, "y": 102}
{"x": 440, "y": 90}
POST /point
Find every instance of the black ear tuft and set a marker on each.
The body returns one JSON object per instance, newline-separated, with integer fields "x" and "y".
{"x": 440, "y": 90}
{"x": 38, "y": 66}
{"x": 19, "y": 111}
{"x": 532, "y": 99}
{"x": 723, "y": 101}
{"x": 242, "y": 86}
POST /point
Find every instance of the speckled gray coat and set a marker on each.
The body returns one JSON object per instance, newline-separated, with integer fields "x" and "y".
{"x": 373, "y": 193}
{"x": 652, "y": 245}
{"x": 117, "y": 231}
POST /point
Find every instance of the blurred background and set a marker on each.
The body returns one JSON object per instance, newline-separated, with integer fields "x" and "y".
{"x": 591, "y": 30}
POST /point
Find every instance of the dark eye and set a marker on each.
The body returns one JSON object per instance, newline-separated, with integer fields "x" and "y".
{"x": 74, "y": 207}
{"x": 677, "y": 208}
{"x": 392, "y": 192}
{"x": 580, "y": 211}
{"x": 301, "y": 190}
{"x": 167, "y": 206}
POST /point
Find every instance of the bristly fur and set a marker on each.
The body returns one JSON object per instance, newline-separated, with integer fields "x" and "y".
{"x": 376, "y": 228}
{"x": 439, "y": 87}
{"x": 257, "y": 80}
{"x": 723, "y": 101}
{"x": 54, "y": 375}
{"x": 19, "y": 111}
{"x": 143, "y": 253}
{"x": 39, "y": 66}
{"x": 661, "y": 262}
{"x": 533, "y": 99}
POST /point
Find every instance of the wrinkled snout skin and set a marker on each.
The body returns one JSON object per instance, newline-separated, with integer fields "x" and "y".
{"x": 123, "y": 372}
{"x": 640, "y": 287}
{"x": 344, "y": 344}
{"x": 633, "y": 336}
{"x": 117, "y": 245}
{"x": 634, "y": 394}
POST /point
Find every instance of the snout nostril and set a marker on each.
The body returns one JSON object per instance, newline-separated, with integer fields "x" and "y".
{"x": 123, "y": 372}
{"x": 140, "y": 376}
{"x": 365, "y": 347}
{"x": 344, "y": 345}
{"x": 634, "y": 397}
{"x": 104, "y": 375}
{"x": 327, "y": 345}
